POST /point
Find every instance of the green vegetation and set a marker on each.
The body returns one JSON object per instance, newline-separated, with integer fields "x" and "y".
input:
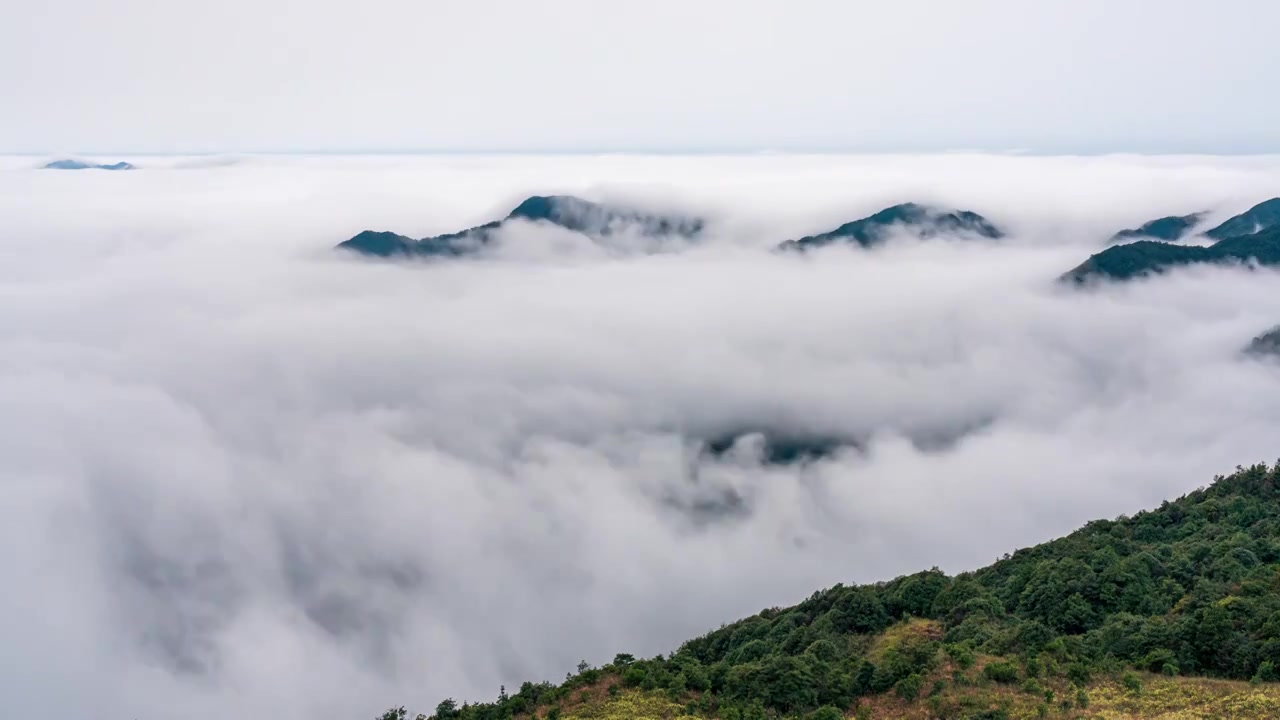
{"x": 1110, "y": 621}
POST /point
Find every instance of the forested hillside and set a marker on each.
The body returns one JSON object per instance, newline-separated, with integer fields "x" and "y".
{"x": 1145, "y": 616}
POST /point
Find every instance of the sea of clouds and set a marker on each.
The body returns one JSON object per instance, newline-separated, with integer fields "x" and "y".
{"x": 243, "y": 475}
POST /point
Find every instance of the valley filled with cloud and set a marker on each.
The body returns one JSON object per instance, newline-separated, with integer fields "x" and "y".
{"x": 252, "y": 476}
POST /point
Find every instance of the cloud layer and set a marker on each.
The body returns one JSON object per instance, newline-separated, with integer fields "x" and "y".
{"x": 247, "y": 476}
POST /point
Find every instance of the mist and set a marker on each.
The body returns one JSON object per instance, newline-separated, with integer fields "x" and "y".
{"x": 248, "y": 476}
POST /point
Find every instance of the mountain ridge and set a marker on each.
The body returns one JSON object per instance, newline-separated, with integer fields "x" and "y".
{"x": 1261, "y": 244}
{"x": 1263, "y": 216}
{"x": 1169, "y": 229}
{"x": 924, "y": 221}
{"x": 69, "y": 164}
{"x": 596, "y": 220}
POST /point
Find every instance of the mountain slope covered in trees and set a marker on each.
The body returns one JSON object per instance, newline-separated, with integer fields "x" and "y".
{"x": 1173, "y": 612}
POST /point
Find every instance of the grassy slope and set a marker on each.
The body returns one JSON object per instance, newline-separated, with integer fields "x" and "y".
{"x": 1161, "y": 698}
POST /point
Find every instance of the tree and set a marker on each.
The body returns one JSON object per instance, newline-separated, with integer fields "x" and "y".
{"x": 447, "y": 709}
{"x": 634, "y": 676}
{"x": 860, "y": 610}
{"x": 908, "y": 688}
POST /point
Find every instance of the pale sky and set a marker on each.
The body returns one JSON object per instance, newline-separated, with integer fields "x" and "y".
{"x": 136, "y": 76}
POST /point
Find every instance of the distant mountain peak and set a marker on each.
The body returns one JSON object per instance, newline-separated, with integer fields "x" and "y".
{"x": 1169, "y": 229}
{"x": 925, "y": 221}
{"x": 69, "y": 164}
{"x": 596, "y": 220}
{"x": 1266, "y": 344}
{"x": 1148, "y": 257}
{"x": 1263, "y": 216}
{"x": 1250, "y": 237}
{"x": 539, "y": 207}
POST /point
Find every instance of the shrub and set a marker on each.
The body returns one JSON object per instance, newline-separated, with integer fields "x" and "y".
{"x": 1031, "y": 686}
{"x": 1157, "y": 659}
{"x": 823, "y": 650}
{"x": 908, "y": 688}
{"x": 633, "y": 676}
{"x": 653, "y": 680}
{"x": 696, "y": 678}
{"x": 1082, "y": 698}
{"x": 1033, "y": 668}
{"x": 827, "y": 712}
{"x": 1001, "y": 672}
{"x": 1078, "y": 673}
{"x": 1131, "y": 682}
{"x": 961, "y": 655}
{"x": 910, "y": 654}
{"x": 882, "y": 680}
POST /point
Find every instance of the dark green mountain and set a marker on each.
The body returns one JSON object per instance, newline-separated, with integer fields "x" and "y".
{"x": 79, "y": 165}
{"x": 1260, "y": 217}
{"x": 1147, "y": 257}
{"x": 583, "y": 216}
{"x": 1168, "y": 229}
{"x": 921, "y": 220}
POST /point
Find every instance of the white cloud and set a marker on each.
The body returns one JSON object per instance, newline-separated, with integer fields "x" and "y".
{"x": 246, "y": 476}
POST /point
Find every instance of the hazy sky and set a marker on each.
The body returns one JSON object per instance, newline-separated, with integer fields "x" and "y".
{"x": 280, "y": 75}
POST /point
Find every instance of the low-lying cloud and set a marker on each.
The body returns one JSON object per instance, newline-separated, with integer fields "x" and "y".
{"x": 246, "y": 476}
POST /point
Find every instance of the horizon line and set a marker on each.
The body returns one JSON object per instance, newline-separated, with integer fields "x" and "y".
{"x": 743, "y": 151}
